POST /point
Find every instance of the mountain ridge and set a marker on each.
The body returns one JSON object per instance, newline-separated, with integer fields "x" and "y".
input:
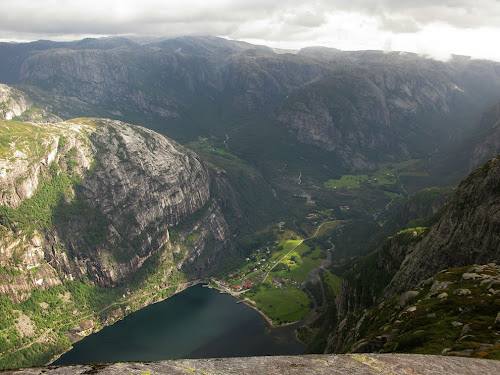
{"x": 466, "y": 235}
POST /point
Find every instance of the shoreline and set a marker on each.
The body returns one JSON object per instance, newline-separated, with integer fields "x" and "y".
{"x": 180, "y": 288}
{"x": 183, "y": 287}
{"x": 250, "y": 304}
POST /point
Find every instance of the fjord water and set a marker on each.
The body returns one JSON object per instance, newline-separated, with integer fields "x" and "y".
{"x": 196, "y": 323}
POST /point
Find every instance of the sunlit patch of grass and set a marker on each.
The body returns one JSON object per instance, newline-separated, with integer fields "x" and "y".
{"x": 282, "y": 305}
{"x": 332, "y": 281}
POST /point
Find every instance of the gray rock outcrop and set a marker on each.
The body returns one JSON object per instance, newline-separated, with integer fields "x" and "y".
{"x": 134, "y": 182}
{"x": 355, "y": 364}
{"x": 467, "y": 233}
{"x": 12, "y": 102}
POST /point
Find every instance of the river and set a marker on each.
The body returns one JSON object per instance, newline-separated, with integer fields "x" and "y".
{"x": 196, "y": 323}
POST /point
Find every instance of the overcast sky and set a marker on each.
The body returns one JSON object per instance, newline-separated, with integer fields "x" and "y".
{"x": 433, "y": 27}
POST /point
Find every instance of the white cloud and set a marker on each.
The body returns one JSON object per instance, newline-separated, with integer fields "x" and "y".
{"x": 428, "y": 26}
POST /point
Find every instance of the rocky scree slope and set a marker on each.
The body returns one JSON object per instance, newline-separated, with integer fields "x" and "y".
{"x": 467, "y": 233}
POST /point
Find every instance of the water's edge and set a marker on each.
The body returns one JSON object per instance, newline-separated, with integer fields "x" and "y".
{"x": 195, "y": 323}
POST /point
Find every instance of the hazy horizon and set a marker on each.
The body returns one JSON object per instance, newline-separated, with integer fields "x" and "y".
{"x": 461, "y": 27}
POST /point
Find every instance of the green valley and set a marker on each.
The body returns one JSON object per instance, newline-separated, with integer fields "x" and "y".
{"x": 275, "y": 275}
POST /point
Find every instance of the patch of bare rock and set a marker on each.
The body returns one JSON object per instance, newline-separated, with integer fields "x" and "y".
{"x": 355, "y": 364}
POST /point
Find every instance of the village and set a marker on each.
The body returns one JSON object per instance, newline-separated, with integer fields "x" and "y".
{"x": 240, "y": 281}
{"x": 254, "y": 272}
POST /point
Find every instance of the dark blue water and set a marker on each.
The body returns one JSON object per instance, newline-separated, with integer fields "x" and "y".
{"x": 197, "y": 323}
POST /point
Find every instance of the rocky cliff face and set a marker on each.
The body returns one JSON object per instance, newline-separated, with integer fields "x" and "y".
{"x": 152, "y": 184}
{"x": 133, "y": 185}
{"x": 103, "y": 216}
{"x": 95, "y": 198}
{"x": 12, "y": 102}
{"x": 356, "y": 104}
{"x": 98, "y": 78}
{"x": 421, "y": 209}
{"x": 466, "y": 234}
{"x": 255, "y": 77}
{"x": 489, "y": 140}
{"x": 156, "y": 80}
{"x": 355, "y": 110}
{"x": 151, "y": 177}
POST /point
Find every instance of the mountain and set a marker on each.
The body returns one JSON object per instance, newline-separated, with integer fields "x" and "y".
{"x": 357, "y": 111}
{"x": 362, "y": 108}
{"x": 474, "y": 150}
{"x": 489, "y": 137}
{"x": 439, "y": 263}
{"x": 13, "y": 102}
{"x": 454, "y": 312}
{"x": 97, "y": 218}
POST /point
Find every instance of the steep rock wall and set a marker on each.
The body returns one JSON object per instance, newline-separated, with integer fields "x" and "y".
{"x": 12, "y": 102}
{"x": 468, "y": 232}
{"x": 133, "y": 186}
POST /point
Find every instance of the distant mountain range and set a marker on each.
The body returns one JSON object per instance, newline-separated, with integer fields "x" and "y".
{"x": 362, "y": 107}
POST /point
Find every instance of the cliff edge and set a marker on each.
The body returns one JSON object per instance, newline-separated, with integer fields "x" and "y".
{"x": 355, "y": 364}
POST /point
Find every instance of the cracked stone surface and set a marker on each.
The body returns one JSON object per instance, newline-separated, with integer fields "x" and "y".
{"x": 356, "y": 364}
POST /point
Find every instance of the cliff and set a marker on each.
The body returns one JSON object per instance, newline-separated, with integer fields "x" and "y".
{"x": 465, "y": 234}
{"x": 132, "y": 184}
{"x": 357, "y": 109}
{"x": 98, "y": 218}
{"x": 12, "y": 102}
{"x": 453, "y": 312}
{"x": 489, "y": 139}
{"x": 363, "y": 107}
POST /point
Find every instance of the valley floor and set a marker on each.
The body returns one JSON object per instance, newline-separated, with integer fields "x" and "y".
{"x": 277, "y": 280}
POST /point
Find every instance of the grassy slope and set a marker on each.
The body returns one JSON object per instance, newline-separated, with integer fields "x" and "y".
{"x": 459, "y": 318}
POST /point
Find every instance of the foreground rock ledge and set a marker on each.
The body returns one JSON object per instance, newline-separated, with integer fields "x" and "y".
{"x": 357, "y": 364}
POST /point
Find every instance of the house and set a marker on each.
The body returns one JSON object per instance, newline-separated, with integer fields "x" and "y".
{"x": 249, "y": 284}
